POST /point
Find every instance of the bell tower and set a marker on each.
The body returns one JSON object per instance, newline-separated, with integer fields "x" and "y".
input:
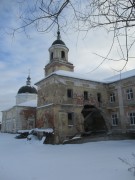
{"x": 58, "y": 57}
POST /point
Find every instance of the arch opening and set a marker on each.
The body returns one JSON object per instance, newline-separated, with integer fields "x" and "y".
{"x": 93, "y": 119}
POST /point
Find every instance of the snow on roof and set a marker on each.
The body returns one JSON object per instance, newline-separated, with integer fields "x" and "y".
{"x": 76, "y": 75}
{"x": 72, "y": 75}
{"x": 89, "y": 78}
{"x": 7, "y": 109}
{"x": 117, "y": 77}
{"x": 121, "y": 76}
{"x": 23, "y": 131}
{"x": 47, "y": 130}
{"x": 46, "y": 105}
{"x": 32, "y": 103}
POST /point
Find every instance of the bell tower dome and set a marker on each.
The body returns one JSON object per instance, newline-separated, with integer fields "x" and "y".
{"x": 58, "y": 57}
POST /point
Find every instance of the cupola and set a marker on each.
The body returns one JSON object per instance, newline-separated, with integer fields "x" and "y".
{"x": 26, "y": 93}
{"x": 58, "y": 57}
{"x": 28, "y": 88}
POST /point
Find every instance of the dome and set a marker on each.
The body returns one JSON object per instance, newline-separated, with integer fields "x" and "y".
{"x": 58, "y": 40}
{"x": 27, "y": 89}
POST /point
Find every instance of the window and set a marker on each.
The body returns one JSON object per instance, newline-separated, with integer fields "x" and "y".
{"x": 132, "y": 118}
{"x": 112, "y": 97}
{"x": 69, "y": 93}
{"x": 51, "y": 55}
{"x": 99, "y": 97}
{"x": 62, "y": 54}
{"x": 114, "y": 119}
{"x": 85, "y": 95}
{"x": 129, "y": 94}
{"x": 70, "y": 119}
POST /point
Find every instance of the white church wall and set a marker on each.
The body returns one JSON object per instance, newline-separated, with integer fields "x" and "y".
{"x": 24, "y": 97}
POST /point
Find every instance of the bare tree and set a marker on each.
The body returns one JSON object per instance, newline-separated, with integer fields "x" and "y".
{"x": 116, "y": 16}
{"x": 44, "y": 15}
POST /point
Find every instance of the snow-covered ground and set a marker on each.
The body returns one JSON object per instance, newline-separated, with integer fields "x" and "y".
{"x": 32, "y": 160}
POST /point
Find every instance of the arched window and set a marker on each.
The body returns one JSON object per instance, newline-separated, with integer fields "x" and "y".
{"x": 51, "y": 55}
{"x": 62, "y": 54}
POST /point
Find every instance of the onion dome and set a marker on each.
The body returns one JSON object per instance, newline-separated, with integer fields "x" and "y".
{"x": 28, "y": 88}
{"x": 58, "y": 41}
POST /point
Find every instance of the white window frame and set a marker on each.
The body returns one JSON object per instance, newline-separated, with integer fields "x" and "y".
{"x": 112, "y": 97}
{"x": 129, "y": 93}
{"x": 132, "y": 118}
{"x": 114, "y": 118}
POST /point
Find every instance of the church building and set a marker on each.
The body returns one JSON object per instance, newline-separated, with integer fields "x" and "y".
{"x": 62, "y": 95}
{"x": 65, "y": 101}
{"x": 21, "y": 116}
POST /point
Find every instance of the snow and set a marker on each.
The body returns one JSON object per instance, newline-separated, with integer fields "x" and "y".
{"x": 121, "y": 76}
{"x": 46, "y": 105}
{"x": 32, "y": 103}
{"x": 23, "y": 131}
{"x": 72, "y": 75}
{"x": 115, "y": 78}
{"x": 32, "y": 160}
{"x": 47, "y": 130}
{"x": 88, "y": 77}
{"x": 76, "y": 75}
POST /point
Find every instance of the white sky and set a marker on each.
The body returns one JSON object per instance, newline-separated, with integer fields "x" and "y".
{"x": 20, "y": 53}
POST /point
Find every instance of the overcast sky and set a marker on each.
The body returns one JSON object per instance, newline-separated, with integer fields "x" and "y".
{"x": 27, "y": 51}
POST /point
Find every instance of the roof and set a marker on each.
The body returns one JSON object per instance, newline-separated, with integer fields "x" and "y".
{"x": 58, "y": 42}
{"x": 120, "y": 76}
{"x": 111, "y": 79}
{"x": 27, "y": 89}
{"x": 47, "y": 130}
{"x": 72, "y": 75}
{"x": 32, "y": 103}
{"x": 76, "y": 75}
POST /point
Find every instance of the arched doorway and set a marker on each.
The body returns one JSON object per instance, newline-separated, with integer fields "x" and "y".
{"x": 93, "y": 119}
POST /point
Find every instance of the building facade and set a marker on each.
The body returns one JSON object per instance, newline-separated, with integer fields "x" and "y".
{"x": 121, "y": 103}
{"x": 62, "y": 95}
{"x": 22, "y": 116}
